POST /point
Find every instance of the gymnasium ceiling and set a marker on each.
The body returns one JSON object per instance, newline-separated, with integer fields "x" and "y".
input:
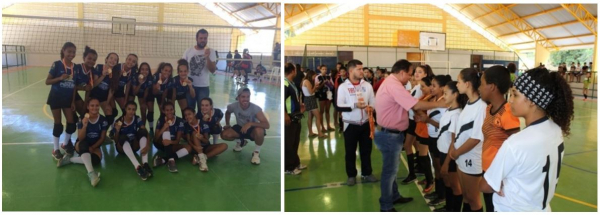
{"x": 254, "y": 14}
{"x": 555, "y": 26}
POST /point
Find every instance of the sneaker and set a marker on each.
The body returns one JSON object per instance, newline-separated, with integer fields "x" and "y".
{"x": 195, "y": 160}
{"x": 237, "y": 148}
{"x": 202, "y": 162}
{"x": 369, "y": 178}
{"x": 172, "y": 166}
{"x": 57, "y": 155}
{"x": 442, "y": 209}
{"x": 66, "y": 159}
{"x": 436, "y": 202}
{"x": 428, "y": 188}
{"x": 255, "y": 158}
{"x": 293, "y": 172}
{"x": 148, "y": 170}
{"x": 301, "y": 167}
{"x": 402, "y": 200}
{"x": 409, "y": 179}
{"x": 242, "y": 144}
{"x": 158, "y": 161}
{"x": 351, "y": 181}
{"x": 141, "y": 172}
{"x": 69, "y": 148}
{"x": 431, "y": 196}
{"x": 94, "y": 177}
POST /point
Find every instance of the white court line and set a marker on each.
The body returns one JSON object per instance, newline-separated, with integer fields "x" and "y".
{"x": 416, "y": 183}
{"x": 22, "y": 89}
{"x": 39, "y": 143}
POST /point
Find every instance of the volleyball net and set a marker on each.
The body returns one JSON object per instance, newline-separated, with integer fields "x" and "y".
{"x": 40, "y": 38}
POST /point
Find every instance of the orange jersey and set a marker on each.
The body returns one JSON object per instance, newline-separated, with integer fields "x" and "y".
{"x": 421, "y": 129}
{"x": 495, "y": 131}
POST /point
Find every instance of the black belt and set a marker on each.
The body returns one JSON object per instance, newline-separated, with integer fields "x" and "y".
{"x": 390, "y": 130}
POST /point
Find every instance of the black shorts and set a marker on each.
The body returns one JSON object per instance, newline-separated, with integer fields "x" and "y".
{"x": 102, "y": 96}
{"x": 451, "y": 164}
{"x": 120, "y": 93}
{"x": 95, "y": 158}
{"x": 78, "y": 97}
{"x": 247, "y": 135}
{"x": 433, "y": 149}
{"x": 215, "y": 129}
{"x": 59, "y": 102}
{"x": 412, "y": 125}
{"x": 180, "y": 97}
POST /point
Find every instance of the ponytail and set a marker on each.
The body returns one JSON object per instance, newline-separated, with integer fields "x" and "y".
{"x": 561, "y": 109}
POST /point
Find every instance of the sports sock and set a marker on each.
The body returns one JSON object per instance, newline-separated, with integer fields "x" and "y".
{"x": 87, "y": 161}
{"x": 182, "y": 153}
{"x": 129, "y": 152}
{"x": 257, "y": 148}
{"x": 56, "y": 139}
{"x": 143, "y": 142}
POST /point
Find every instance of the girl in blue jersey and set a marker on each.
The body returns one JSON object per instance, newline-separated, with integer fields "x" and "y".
{"x": 211, "y": 117}
{"x": 169, "y": 131}
{"x": 183, "y": 84}
{"x": 91, "y": 134}
{"x": 125, "y": 73}
{"x": 104, "y": 86}
{"x": 162, "y": 85}
{"x": 62, "y": 95}
{"x": 197, "y": 131}
{"x": 85, "y": 78}
{"x": 142, "y": 88}
{"x": 133, "y": 136}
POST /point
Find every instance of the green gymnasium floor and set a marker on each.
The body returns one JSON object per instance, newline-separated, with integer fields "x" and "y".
{"x": 321, "y": 187}
{"x": 31, "y": 181}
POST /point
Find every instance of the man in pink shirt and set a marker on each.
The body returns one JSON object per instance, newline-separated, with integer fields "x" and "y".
{"x": 392, "y": 103}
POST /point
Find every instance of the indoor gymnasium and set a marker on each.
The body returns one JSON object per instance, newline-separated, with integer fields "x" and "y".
{"x": 56, "y": 158}
{"x": 361, "y": 67}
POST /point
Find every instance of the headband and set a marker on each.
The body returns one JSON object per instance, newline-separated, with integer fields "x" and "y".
{"x": 539, "y": 95}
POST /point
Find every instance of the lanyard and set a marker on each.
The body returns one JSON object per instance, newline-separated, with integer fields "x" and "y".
{"x": 88, "y": 73}
{"x": 125, "y": 72}
{"x": 67, "y": 71}
{"x": 197, "y": 125}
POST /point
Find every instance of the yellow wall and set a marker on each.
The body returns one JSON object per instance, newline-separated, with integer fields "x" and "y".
{"x": 383, "y": 22}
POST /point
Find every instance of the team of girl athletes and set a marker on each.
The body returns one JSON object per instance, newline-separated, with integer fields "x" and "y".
{"x": 112, "y": 83}
{"x": 476, "y": 142}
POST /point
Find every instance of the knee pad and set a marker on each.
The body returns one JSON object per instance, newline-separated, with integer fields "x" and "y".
{"x": 71, "y": 128}
{"x": 142, "y": 132}
{"x": 150, "y": 116}
{"x": 58, "y": 129}
{"x": 84, "y": 147}
{"x": 95, "y": 159}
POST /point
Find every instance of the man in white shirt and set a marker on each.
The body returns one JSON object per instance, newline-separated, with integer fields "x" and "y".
{"x": 202, "y": 61}
{"x": 355, "y": 96}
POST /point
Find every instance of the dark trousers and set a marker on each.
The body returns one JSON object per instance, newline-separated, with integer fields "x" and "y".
{"x": 292, "y": 141}
{"x": 355, "y": 136}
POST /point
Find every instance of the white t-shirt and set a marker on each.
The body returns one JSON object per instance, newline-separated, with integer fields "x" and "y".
{"x": 417, "y": 94}
{"x": 348, "y": 95}
{"x": 198, "y": 70}
{"x": 435, "y": 114}
{"x": 469, "y": 127}
{"x": 527, "y": 167}
{"x": 447, "y": 128}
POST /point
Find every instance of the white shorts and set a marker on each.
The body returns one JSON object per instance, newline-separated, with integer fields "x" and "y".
{"x": 470, "y": 162}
